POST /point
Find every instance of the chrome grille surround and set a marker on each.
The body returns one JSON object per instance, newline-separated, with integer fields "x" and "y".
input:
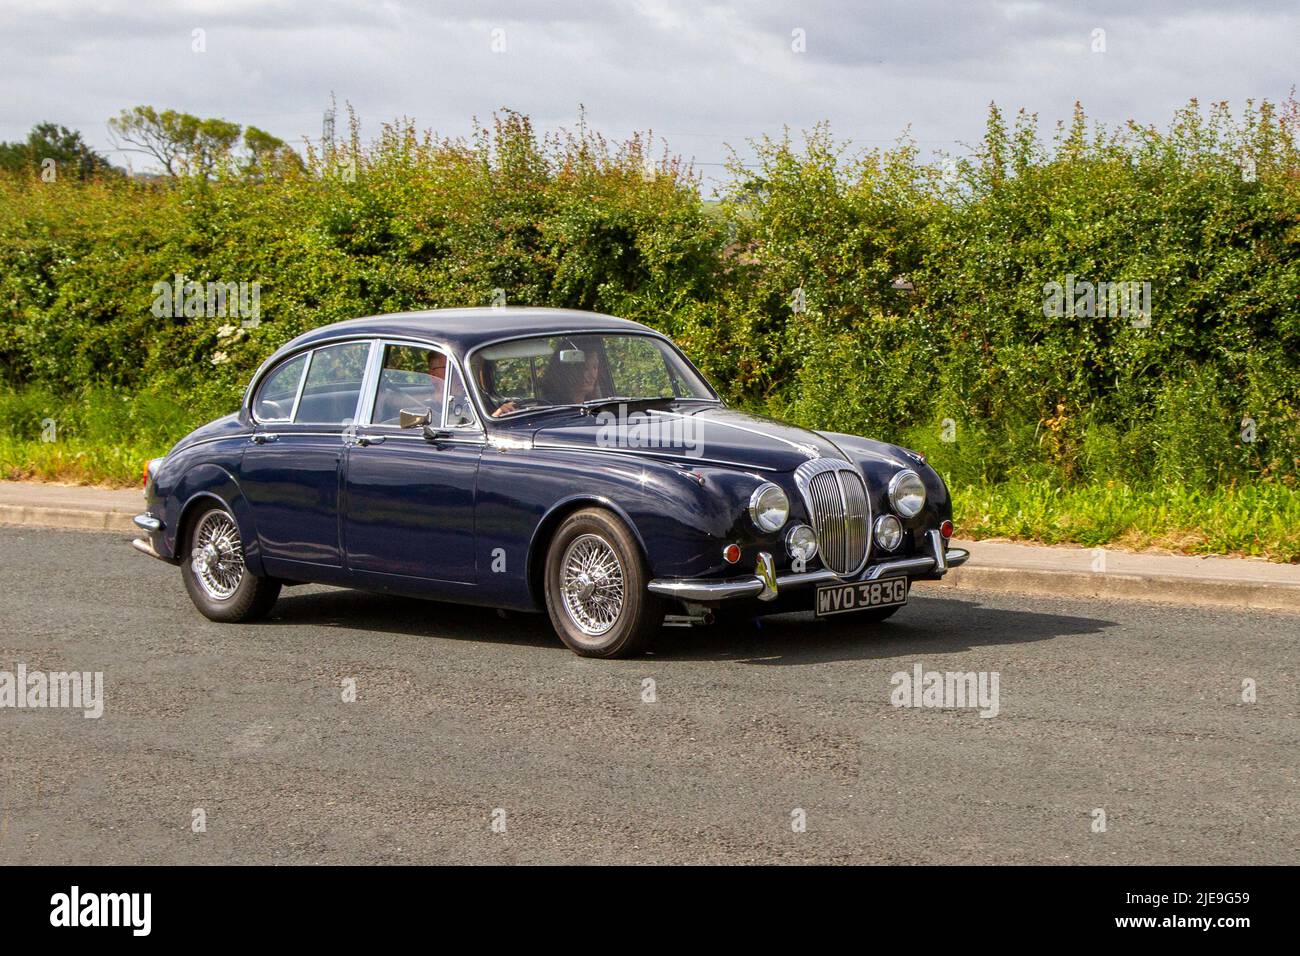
{"x": 840, "y": 512}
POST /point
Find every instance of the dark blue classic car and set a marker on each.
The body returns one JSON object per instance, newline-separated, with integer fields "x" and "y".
{"x": 535, "y": 459}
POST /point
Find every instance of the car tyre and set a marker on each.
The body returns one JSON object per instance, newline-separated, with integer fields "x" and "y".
{"x": 596, "y": 593}
{"x": 216, "y": 578}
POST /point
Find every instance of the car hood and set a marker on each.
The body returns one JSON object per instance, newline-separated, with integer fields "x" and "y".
{"x": 706, "y": 435}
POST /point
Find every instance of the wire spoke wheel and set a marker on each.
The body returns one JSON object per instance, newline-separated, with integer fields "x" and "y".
{"x": 217, "y": 558}
{"x": 592, "y": 584}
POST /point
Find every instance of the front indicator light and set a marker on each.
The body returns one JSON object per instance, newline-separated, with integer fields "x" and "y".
{"x": 945, "y": 529}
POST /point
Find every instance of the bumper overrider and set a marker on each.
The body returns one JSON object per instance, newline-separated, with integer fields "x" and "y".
{"x": 147, "y": 522}
{"x": 765, "y": 583}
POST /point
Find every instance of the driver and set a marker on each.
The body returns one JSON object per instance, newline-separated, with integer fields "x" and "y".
{"x": 565, "y": 383}
{"x": 571, "y": 383}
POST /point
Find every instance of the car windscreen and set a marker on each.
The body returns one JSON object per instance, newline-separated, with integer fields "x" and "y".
{"x": 541, "y": 371}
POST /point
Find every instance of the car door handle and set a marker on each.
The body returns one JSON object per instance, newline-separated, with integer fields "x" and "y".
{"x": 261, "y": 438}
{"x": 371, "y": 440}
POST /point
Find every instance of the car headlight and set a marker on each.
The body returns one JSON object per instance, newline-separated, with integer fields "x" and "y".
{"x": 889, "y": 532}
{"x": 907, "y": 493}
{"x": 801, "y": 542}
{"x": 769, "y": 507}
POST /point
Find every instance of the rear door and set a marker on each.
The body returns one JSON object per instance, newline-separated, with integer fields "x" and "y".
{"x": 292, "y": 469}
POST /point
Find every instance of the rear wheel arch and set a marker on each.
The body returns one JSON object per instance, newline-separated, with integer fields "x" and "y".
{"x": 238, "y": 507}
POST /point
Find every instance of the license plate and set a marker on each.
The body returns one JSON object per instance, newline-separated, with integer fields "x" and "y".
{"x": 860, "y": 596}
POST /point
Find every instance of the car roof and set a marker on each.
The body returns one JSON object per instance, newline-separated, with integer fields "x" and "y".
{"x": 465, "y": 329}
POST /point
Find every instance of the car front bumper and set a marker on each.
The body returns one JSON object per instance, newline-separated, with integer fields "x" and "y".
{"x": 765, "y": 584}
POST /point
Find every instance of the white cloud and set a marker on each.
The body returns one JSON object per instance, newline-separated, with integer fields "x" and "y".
{"x": 702, "y": 75}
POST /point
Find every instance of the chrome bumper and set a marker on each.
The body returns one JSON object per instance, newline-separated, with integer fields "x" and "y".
{"x": 765, "y": 584}
{"x": 147, "y": 522}
{"x": 144, "y": 547}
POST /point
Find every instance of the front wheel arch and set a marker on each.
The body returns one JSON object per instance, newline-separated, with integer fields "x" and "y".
{"x": 540, "y": 546}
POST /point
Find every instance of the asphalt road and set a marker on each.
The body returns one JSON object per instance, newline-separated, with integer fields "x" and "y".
{"x": 463, "y": 719}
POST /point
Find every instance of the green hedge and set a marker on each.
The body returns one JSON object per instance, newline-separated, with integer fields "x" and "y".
{"x": 785, "y": 293}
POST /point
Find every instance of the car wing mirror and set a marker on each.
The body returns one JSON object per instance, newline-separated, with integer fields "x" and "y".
{"x": 415, "y": 417}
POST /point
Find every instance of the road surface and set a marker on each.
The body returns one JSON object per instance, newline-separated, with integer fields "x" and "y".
{"x": 479, "y": 739}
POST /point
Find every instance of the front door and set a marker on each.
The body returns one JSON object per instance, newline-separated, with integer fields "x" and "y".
{"x": 409, "y": 497}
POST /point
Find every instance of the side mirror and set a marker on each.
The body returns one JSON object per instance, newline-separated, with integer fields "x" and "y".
{"x": 415, "y": 417}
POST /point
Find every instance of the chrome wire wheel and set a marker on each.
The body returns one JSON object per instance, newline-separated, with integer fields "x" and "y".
{"x": 217, "y": 558}
{"x": 591, "y": 583}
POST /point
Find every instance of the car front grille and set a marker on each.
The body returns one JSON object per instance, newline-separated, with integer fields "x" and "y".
{"x": 836, "y": 499}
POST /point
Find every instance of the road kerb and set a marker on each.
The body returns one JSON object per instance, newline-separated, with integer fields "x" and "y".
{"x": 72, "y": 519}
{"x": 1208, "y": 592}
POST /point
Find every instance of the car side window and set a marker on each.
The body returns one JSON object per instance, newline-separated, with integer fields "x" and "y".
{"x": 275, "y": 398}
{"x": 460, "y": 411}
{"x": 411, "y": 377}
{"x": 329, "y": 396}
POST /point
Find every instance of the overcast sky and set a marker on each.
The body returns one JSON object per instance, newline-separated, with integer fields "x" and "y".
{"x": 701, "y": 75}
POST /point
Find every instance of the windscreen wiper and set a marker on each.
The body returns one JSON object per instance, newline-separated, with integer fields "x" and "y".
{"x": 633, "y": 404}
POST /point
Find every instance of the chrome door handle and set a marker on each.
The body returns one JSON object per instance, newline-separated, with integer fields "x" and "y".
{"x": 371, "y": 440}
{"x": 261, "y": 438}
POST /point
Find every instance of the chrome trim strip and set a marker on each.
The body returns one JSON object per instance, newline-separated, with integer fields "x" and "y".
{"x": 691, "y": 589}
{"x": 797, "y": 446}
{"x": 147, "y": 522}
{"x": 650, "y": 453}
{"x": 297, "y": 392}
{"x": 904, "y": 565}
{"x": 369, "y": 383}
{"x": 824, "y": 576}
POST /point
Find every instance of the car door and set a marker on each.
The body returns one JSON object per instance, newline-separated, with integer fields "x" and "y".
{"x": 410, "y": 495}
{"x": 291, "y": 471}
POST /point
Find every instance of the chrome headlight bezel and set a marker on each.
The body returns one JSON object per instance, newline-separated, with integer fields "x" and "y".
{"x": 764, "y": 514}
{"x": 907, "y": 486}
{"x": 796, "y": 551}
{"x": 887, "y": 525}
